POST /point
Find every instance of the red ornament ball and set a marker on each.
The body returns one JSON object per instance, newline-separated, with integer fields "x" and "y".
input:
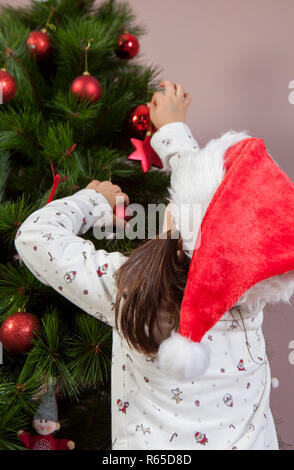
{"x": 17, "y": 332}
{"x": 138, "y": 120}
{"x": 122, "y": 212}
{"x": 8, "y": 86}
{"x": 128, "y": 46}
{"x": 40, "y": 45}
{"x": 86, "y": 87}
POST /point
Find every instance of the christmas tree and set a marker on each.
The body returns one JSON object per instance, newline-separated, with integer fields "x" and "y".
{"x": 72, "y": 98}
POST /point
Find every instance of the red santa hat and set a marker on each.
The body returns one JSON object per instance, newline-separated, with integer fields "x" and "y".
{"x": 247, "y": 237}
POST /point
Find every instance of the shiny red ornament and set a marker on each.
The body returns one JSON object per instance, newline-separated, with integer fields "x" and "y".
{"x": 121, "y": 211}
{"x": 17, "y": 332}
{"x": 8, "y": 86}
{"x": 138, "y": 120}
{"x": 128, "y": 46}
{"x": 39, "y": 44}
{"x": 86, "y": 87}
{"x": 145, "y": 154}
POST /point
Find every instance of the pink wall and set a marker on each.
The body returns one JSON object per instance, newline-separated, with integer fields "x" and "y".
{"x": 235, "y": 57}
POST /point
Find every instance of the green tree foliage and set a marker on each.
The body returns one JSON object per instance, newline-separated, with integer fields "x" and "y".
{"x": 39, "y": 126}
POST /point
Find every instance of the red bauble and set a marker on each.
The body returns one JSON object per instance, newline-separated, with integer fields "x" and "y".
{"x": 138, "y": 121}
{"x": 86, "y": 87}
{"x": 40, "y": 45}
{"x": 17, "y": 332}
{"x": 128, "y": 46}
{"x": 121, "y": 211}
{"x": 8, "y": 86}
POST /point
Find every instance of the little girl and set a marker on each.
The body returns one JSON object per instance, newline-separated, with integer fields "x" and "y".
{"x": 140, "y": 297}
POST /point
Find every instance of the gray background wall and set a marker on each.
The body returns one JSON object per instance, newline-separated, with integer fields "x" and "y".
{"x": 235, "y": 57}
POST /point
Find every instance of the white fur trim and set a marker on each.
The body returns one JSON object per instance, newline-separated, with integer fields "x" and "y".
{"x": 275, "y": 289}
{"x": 183, "y": 359}
{"x": 195, "y": 180}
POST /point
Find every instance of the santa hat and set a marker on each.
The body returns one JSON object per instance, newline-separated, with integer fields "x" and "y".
{"x": 247, "y": 236}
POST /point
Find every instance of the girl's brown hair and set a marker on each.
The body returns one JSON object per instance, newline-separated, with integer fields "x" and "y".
{"x": 152, "y": 279}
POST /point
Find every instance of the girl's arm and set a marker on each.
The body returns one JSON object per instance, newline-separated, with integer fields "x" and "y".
{"x": 171, "y": 140}
{"x": 49, "y": 245}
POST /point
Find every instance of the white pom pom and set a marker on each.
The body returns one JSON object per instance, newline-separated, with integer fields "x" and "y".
{"x": 183, "y": 359}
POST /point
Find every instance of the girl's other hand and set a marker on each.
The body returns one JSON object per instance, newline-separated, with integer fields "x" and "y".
{"x": 169, "y": 107}
{"x": 109, "y": 191}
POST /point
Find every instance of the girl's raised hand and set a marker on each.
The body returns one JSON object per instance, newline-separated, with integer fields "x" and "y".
{"x": 169, "y": 107}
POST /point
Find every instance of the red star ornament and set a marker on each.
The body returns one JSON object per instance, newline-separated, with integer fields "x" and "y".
{"x": 145, "y": 154}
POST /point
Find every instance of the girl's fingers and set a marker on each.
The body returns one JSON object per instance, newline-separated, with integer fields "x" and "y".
{"x": 187, "y": 99}
{"x": 179, "y": 90}
{"x": 93, "y": 184}
{"x": 116, "y": 188}
{"x": 156, "y": 98}
{"x": 126, "y": 198}
{"x": 173, "y": 89}
{"x": 122, "y": 198}
{"x": 105, "y": 184}
{"x": 169, "y": 87}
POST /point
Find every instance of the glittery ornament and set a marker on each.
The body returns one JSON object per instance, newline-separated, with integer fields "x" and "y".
{"x": 17, "y": 332}
{"x": 128, "y": 46}
{"x": 137, "y": 122}
{"x": 39, "y": 43}
{"x": 8, "y": 86}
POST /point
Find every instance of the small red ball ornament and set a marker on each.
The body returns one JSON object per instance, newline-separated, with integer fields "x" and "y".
{"x": 122, "y": 212}
{"x": 8, "y": 86}
{"x": 17, "y": 332}
{"x": 39, "y": 43}
{"x": 128, "y": 46}
{"x": 138, "y": 120}
{"x": 86, "y": 87}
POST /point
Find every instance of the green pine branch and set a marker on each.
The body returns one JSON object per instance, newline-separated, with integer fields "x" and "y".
{"x": 4, "y": 171}
{"x": 20, "y": 131}
{"x": 90, "y": 350}
{"x": 41, "y": 124}
{"x": 12, "y": 214}
{"x": 11, "y": 420}
{"x": 48, "y": 358}
{"x": 16, "y": 287}
{"x": 21, "y": 393}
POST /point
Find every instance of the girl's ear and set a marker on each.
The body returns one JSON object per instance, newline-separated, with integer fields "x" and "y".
{"x": 168, "y": 221}
{"x": 180, "y": 244}
{"x": 182, "y": 257}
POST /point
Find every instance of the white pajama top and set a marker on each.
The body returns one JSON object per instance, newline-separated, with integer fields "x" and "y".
{"x": 227, "y": 408}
